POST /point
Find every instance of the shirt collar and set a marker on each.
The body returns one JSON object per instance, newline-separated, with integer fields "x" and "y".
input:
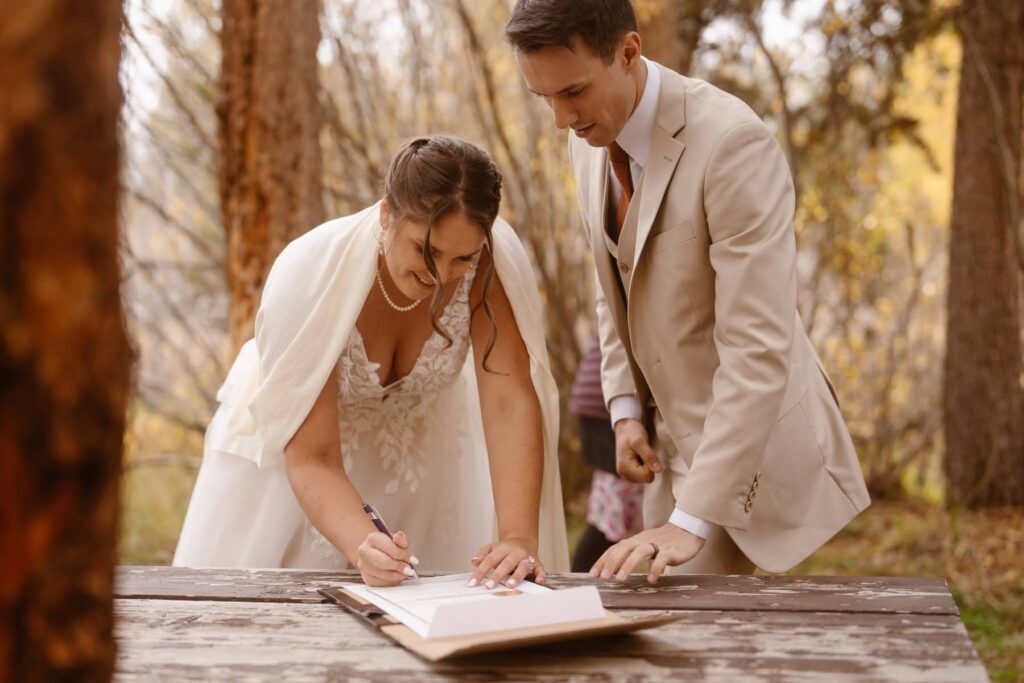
{"x": 635, "y": 136}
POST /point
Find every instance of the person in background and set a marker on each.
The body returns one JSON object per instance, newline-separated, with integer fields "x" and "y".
{"x": 615, "y": 506}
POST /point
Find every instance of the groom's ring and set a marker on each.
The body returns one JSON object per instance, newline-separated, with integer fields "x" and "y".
{"x": 656, "y": 550}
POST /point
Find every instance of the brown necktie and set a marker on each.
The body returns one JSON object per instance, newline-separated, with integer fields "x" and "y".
{"x": 620, "y": 165}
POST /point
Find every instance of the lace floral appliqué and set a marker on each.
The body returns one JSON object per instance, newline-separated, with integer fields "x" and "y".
{"x": 386, "y": 420}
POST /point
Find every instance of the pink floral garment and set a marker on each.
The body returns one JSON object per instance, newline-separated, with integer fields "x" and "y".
{"x": 615, "y": 506}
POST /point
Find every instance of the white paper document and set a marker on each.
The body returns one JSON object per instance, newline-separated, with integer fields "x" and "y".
{"x": 444, "y": 606}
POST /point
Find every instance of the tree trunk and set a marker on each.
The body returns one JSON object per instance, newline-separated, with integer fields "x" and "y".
{"x": 658, "y": 21}
{"x": 64, "y": 356}
{"x": 269, "y": 115}
{"x": 671, "y": 29}
{"x": 983, "y": 399}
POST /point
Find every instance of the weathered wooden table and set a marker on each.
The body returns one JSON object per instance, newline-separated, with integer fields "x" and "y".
{"x": 185, "y": 624}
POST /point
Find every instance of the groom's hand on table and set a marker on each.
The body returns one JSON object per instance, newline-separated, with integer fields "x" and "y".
{"x": 384, "y": 561}
{"x": 635, "y": 460}
{"x": 673, "y": 546}
{"x": 508, "y": 562}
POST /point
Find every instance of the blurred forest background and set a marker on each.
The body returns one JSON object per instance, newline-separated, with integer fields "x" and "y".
{"x": 243, "y": 130}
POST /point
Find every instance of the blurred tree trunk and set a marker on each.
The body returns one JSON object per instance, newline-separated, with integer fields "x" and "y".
{"x": 659, "y": 23}
{"x": 64, "y": 356}
{"x": 983, "y": 401}
{"x": 671, "y": 29}
{"x": 269, "y": 127}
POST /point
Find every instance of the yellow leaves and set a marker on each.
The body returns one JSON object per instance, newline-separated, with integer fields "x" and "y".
{"x": 868, "y": 175}
{"x": 504, "y": 68}
{"x": 831, "y": 25}
{"x": 884, "y": 307}
{"x": 177, "y": 208}
{"x": 544, "y": 145}
{"x": 929, "y": 94}
{"x": 647, "y": 10}
{"x": 150, "y": 431}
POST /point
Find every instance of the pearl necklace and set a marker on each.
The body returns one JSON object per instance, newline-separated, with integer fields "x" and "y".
{"x": 387, "y": 297}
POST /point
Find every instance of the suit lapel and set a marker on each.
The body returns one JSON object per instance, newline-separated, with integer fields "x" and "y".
{"x": 599, "y": 197}
{"x": 665, "y": 153}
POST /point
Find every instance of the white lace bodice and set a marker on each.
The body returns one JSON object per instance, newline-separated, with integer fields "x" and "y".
{"x": 385, "y": 419}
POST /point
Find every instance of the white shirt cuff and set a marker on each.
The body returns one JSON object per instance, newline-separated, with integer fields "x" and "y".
{"x": 695, "y": 525}
{"x": 624, "y": 406}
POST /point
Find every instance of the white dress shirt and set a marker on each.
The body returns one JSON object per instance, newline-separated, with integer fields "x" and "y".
{"x": 635, "y": 140}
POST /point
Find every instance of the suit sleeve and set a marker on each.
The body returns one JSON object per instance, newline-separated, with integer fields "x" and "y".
{"x": 616, "y": 378}
{"x": 749, "y": 203}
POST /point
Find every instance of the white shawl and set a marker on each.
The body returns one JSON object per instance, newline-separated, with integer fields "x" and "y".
{"x": 312, "y": 298}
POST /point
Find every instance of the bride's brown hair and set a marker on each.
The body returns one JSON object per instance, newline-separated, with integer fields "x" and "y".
{"x": 430, "y": 177}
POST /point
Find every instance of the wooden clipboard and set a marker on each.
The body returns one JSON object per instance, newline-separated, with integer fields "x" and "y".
{"x": 437, "y": 649}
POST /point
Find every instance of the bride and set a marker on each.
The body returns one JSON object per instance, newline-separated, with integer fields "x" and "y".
{"x": 359, "y": 387}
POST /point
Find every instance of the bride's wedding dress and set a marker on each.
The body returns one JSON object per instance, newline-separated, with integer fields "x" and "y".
{"x": 414, "y": 449}
{"x": 383, "y": 458}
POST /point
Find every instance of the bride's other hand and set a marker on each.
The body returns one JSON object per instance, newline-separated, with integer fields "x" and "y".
{"x": 514, "y": 432}
{"x": 383, "y": 561}
{"x": 507, "y": 562}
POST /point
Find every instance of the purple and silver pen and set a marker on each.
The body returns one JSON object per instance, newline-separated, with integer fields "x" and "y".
{"x": 378, "y": 522}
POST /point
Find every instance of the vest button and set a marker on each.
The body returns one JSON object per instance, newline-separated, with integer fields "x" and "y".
{"x": 624, "y": 267}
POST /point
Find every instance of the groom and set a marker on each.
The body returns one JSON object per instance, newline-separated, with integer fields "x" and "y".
{"x": 718, "y": 399}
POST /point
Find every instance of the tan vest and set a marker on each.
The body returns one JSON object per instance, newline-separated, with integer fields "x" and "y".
{"x": 622, "y": 253}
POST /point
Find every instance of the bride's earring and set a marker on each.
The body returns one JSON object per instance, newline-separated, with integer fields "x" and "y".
{"x": 380, "y": 243}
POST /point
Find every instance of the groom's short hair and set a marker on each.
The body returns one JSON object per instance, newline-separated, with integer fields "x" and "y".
{"x": 599, "y": 24}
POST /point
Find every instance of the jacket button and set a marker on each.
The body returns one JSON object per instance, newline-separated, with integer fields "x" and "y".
{"x": 624, "y": 267}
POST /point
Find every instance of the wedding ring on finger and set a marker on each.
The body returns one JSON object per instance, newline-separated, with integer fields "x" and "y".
{"x": 530, "y": 561}
{"x": 656, "y": 549}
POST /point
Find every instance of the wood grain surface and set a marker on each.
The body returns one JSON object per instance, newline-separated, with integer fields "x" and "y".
{"x": 185, "y": 624}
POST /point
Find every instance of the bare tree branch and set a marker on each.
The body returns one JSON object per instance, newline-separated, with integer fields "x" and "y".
{"x": 163, "y": 460}
{"x": 194, "y": 238}
{"x": 205, "y": 137}
{"x": 780, "y": 84}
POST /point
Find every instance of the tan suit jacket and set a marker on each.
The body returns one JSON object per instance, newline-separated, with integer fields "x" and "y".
{"x": 711, "y": 333}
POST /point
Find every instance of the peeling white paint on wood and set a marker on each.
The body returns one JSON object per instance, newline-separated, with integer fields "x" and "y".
{"x": 206, "y": 640}
{"x": 203, "y": 625}
{"x": 898, "y": 595}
